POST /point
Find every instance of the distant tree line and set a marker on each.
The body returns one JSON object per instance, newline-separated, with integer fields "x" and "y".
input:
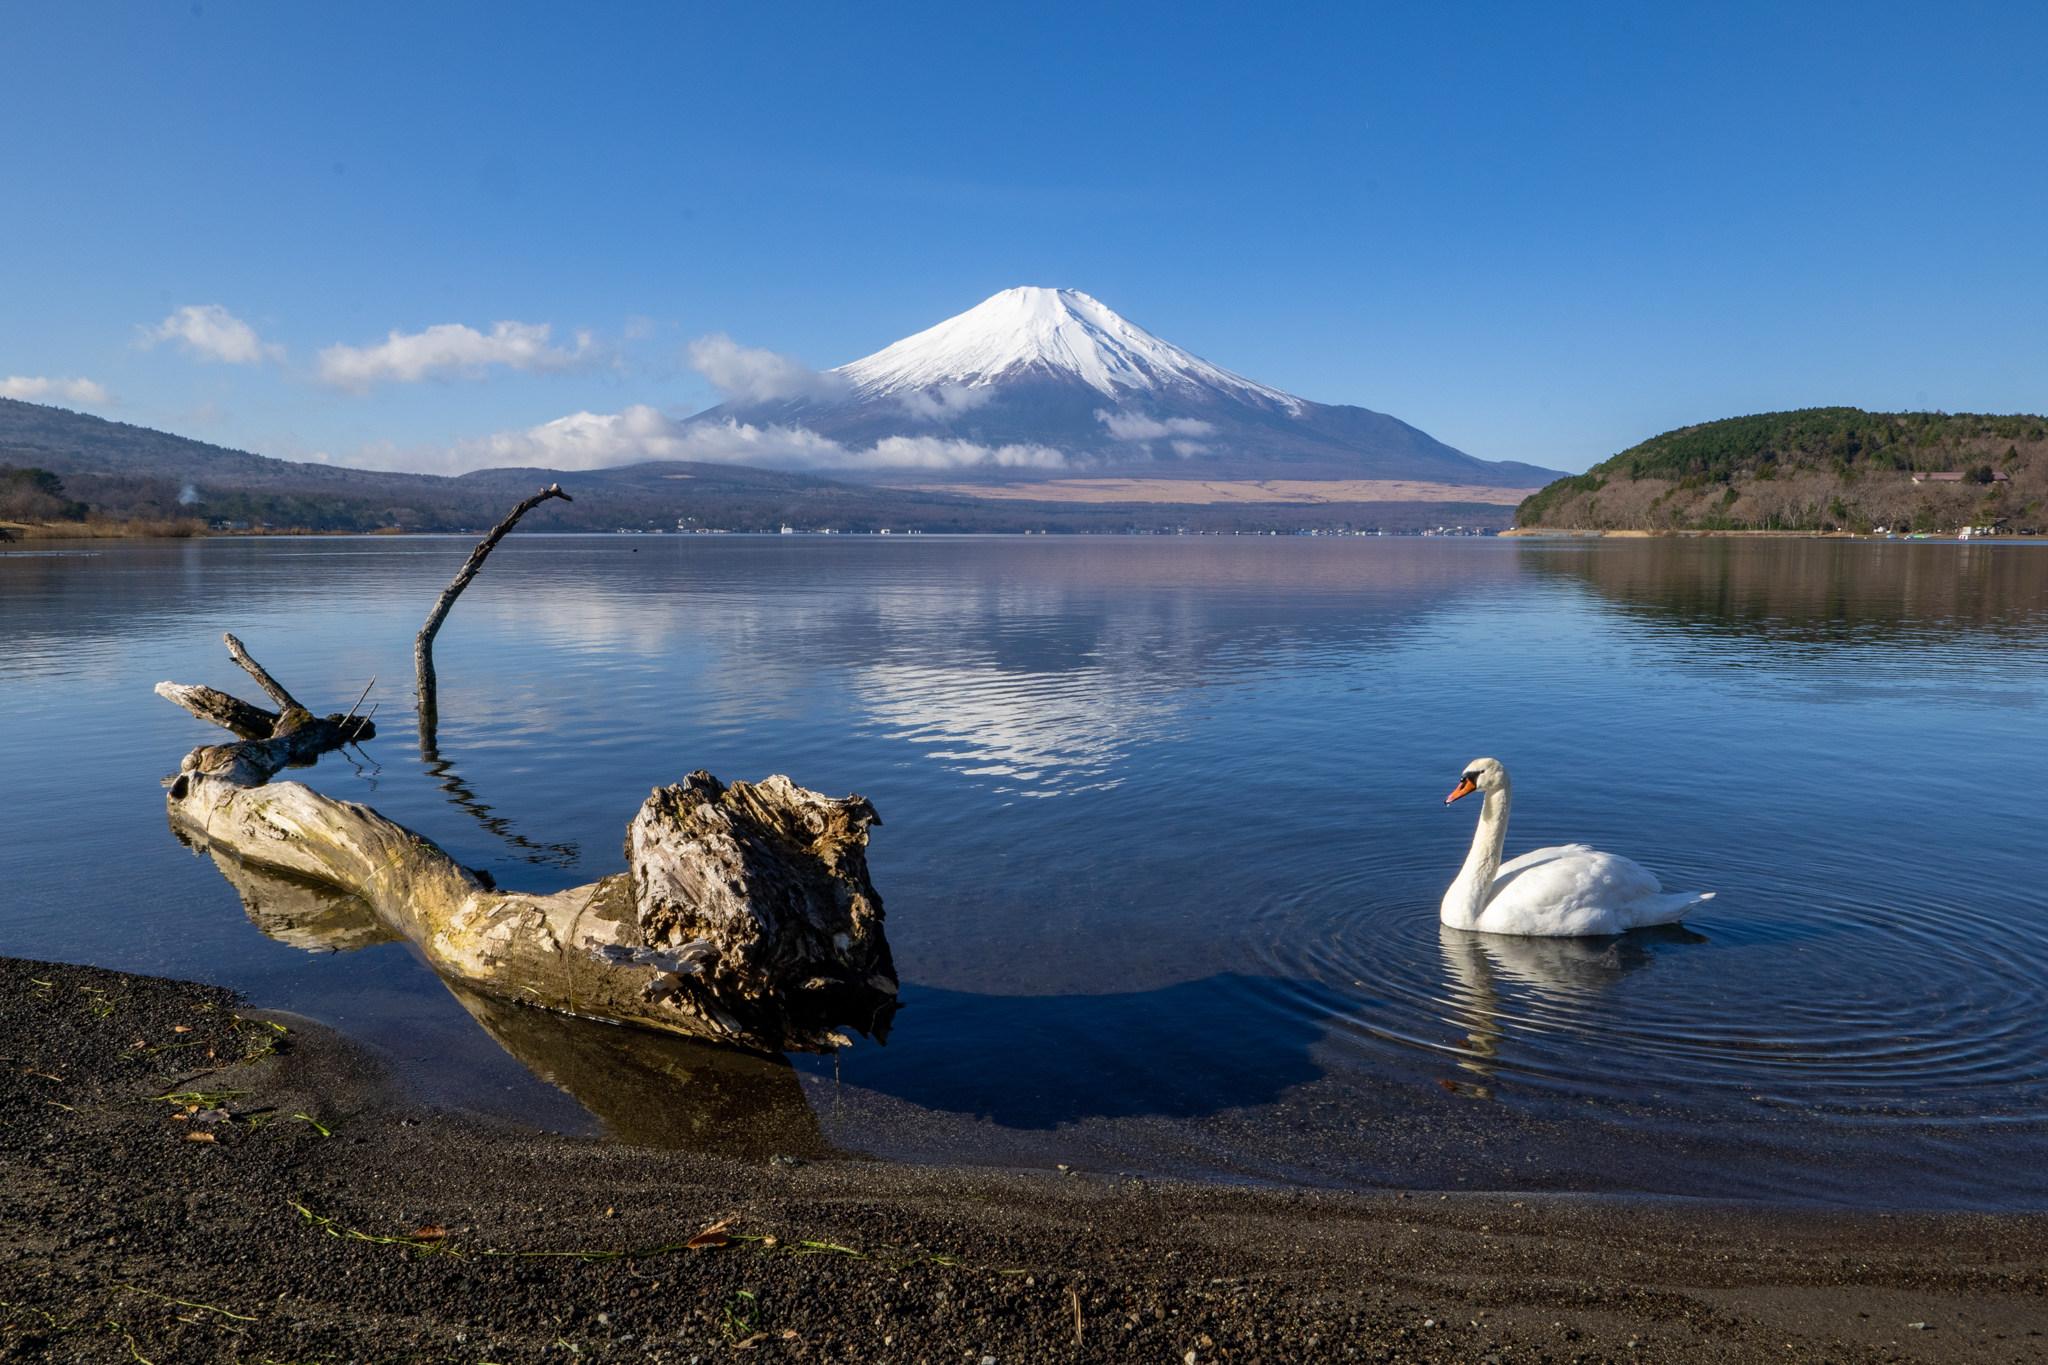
{"x": 31, "y": 494}
{"x": 1842, "y": 444}
{"x": 37, "y": 495}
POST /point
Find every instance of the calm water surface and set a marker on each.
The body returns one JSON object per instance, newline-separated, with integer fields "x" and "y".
{"x": 1164, "y": 837}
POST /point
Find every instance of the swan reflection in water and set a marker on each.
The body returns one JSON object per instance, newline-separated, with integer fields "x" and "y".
{"x": 1567, "y": 978}
{"x": 649, "y": 1089}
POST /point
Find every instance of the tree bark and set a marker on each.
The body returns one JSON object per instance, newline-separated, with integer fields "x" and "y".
{"x": 229, "y": 713}
{"x": 272, "y": 688}
{"x": 745, "y": 916}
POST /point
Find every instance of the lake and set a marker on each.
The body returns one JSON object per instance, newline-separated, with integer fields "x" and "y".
{"x": 1163, "y": 837}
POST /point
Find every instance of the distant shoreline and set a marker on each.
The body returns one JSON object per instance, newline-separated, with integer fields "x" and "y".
{"x": 1557, "y": 533}
{"x": 1225, "y": 492}
{"x": 14, "y": 533}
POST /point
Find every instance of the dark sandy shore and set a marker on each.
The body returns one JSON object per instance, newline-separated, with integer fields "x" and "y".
{"x": 294, "y": 1234}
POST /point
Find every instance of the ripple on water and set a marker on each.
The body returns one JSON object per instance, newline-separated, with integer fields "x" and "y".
{"x": 1863, "y": 1007}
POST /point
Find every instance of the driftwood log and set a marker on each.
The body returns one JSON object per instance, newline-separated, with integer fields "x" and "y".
{"x": 745, "y": 914}
{"x": 650, "y": 1089}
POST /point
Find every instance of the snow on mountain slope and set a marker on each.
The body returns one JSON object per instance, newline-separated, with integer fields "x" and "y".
{"x": 1038, "y": 383}
{"x": 1061, "y": 331}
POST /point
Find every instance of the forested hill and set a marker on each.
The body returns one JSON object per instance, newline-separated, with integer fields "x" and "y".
{"x": 1814, "y": 468}
{"x": 119, "y": 471}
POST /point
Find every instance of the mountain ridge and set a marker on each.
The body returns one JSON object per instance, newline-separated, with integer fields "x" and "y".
{"x": 1054, "y": 383}
{"x": 119, "y": 471}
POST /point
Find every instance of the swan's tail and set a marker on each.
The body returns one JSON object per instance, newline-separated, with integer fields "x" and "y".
{"x": 1667, "y": 909}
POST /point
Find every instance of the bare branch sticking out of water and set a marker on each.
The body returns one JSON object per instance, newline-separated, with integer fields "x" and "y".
{"x": 423, "y": 643}
{"x": 272, "y": 688}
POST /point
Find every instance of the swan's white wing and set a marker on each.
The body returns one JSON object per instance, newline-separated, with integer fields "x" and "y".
{"x": 1533, "y": 857}
{"x": 1574, "y": 890}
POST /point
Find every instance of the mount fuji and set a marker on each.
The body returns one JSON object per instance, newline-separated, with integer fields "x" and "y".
{"x": 1042, "y": 384}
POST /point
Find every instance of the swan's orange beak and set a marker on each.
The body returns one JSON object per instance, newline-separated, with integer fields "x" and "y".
{"x": 1464, "y": 788}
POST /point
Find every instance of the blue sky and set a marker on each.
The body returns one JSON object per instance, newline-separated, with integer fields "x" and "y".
{"x": 1537, "y": 232}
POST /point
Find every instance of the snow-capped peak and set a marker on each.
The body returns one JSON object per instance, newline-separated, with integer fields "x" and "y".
{"x": 1062, "y": 330}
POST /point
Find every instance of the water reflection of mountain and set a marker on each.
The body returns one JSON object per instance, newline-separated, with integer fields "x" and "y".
{"x": 1818, "y": 591}
{"x": 1034, "y": 664}
{"x": 1040, "y": 666}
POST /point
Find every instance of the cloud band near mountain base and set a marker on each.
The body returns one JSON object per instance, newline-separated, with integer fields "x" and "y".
{"x": 587, "y": 440}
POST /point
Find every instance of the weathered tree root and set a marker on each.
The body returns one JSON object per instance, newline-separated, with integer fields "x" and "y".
{"x": 745, "y": 916}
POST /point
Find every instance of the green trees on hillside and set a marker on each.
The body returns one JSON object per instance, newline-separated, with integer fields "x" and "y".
{"x": 1818, "y": 437}
{"x": 1842, "y": 443}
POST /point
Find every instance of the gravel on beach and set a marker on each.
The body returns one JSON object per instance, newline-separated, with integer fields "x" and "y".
{"x": 188, "y": 1179}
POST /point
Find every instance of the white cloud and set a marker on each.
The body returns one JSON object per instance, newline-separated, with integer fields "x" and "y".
{"x": 450, "y": 348}
{"x": 582, "y": 440}
{"x": 930, "y": 452}
{"x": 1129, "y": 427}
{"x": 1187, "y": 450}
{"x": 588, "y": 440}
{"x": 211, "y": 332}
{"x": 944, "y": 404}
{"x": 773, "y": 447}
{"x": 746, "y": 374}
{"x": 76, "y": 390}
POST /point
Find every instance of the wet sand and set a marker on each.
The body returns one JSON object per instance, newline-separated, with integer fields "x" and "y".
{"x": 290, "y": 1236}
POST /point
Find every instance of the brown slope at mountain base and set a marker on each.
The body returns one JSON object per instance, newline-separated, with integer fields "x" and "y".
{"x": 322, "y": 1214}
{"x": 1225, "y": 491}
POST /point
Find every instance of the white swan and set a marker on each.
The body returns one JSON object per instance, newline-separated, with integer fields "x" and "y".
{"x": 1568, "y": 891}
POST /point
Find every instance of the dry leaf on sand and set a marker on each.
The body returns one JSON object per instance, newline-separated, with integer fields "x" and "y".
{"x": 713, "y": 1236}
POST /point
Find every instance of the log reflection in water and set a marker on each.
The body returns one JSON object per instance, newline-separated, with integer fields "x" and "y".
{"x": 660, "y": 1090}
{"x": 464, "y": 798}
{"x": 302, "y": 912}
{"x": 650, "y": 1089}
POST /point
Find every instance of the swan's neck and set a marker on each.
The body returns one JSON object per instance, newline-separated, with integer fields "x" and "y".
{"x": 1468, "y": 895}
